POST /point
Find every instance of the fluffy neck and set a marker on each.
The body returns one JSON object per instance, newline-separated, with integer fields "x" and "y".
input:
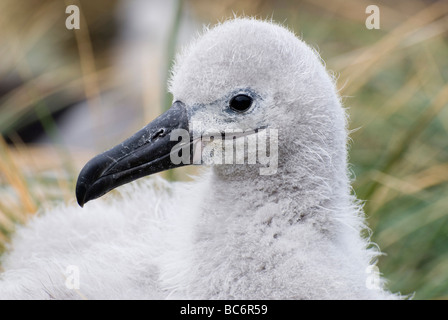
{"x": 283, "y": 230}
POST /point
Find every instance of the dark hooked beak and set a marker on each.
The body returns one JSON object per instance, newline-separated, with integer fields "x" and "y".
{"x": 146, "y": 152}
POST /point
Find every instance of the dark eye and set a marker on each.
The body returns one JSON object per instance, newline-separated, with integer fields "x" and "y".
{"x": 240, "y": 103}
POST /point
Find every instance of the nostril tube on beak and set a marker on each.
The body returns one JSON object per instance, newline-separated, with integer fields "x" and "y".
{"x": 159, "y": 134}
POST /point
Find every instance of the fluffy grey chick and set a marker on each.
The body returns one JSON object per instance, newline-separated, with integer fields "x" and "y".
{"x": 287, "y": 228}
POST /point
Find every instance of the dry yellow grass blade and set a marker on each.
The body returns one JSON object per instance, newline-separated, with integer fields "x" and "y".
{"x": 36, "y": 89}
{"x": 37, "y": 28}
{"x": 400, "y": 99}
{"x": 438, "y": 103}
{"x": 429, "y": 177}
{"x": 391, "y": 182}
{"x": 392, "y": 235}
{"x": 4, "y": 240}
{"x": 432, "y": 67}
{"x": 88, "y": 69}
{"x": 421, "y": 156}
{"x": 390, "y": 188}
{"x": 361, "y": 68}
{"x": 14, "y": 177}
{"x": 43, "y": 86}
{"x": 409, "y": 185}
{"x": 5, "y": 224}
{"x": 378, "y": 194}
{"x": 394, "y": 104}
{"x": 25, "y": 157}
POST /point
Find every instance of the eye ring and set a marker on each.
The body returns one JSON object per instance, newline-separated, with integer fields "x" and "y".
{"x": 240, "y": 103}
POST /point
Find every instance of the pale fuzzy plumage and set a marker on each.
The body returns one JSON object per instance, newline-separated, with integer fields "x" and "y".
{"x": 233, "y": 233}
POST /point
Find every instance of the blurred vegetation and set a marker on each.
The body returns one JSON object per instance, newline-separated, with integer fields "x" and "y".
{"x": 394, "y": 82}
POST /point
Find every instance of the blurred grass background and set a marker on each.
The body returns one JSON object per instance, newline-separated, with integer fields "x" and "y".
{"x": 394, "y": 82}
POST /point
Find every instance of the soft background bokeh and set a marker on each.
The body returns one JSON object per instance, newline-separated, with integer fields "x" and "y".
{"x": 66, "y": 95}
